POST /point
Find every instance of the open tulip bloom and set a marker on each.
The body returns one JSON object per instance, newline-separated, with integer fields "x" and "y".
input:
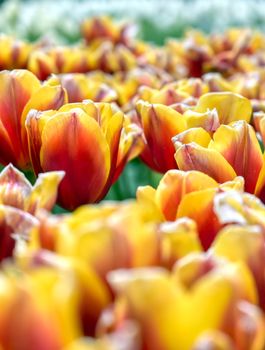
{"x": 179, "y": 267}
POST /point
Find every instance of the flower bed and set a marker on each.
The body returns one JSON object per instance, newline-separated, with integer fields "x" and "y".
{"x": 181, "y": 265}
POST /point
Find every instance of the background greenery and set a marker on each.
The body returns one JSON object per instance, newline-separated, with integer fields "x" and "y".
{"x": 156, "y": 20}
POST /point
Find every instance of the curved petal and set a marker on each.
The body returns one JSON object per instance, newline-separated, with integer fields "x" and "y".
{"x": 238, "y": 144}
{"x": 16, "y": 88}
{"x": 160, "y": 123}
{"x": 197, "y": 135}
{"x": 199, "y": 207}
{"x": 34, "y": 125}
{"x": 230, "y": 106}
{"x": 68, "y": 143}
{"x": 175, "y": 184}
{"x": 208, "y": 161}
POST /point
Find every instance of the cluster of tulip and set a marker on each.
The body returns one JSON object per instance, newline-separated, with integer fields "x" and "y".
{"x": 132, "y": 275}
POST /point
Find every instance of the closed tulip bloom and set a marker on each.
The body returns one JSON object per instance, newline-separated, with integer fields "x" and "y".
{"x": 89, "y": 141}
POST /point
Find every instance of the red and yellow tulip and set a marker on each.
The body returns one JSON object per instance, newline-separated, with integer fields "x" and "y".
{"x": 21, "y": 91}
{"x": 90, "y": 142}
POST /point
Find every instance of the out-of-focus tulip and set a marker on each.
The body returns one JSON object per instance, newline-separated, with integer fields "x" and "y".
{"x": 80, "y": 87}
{"x": 112, "y": 238}
{"x": 44, "y": 62}
{"x": 20, "y": 92}
{"x": 66, "y": 139}
{"x": 47, "y": 304}
{"x": 93, "y": 294}
{"x": 243, "y": 238}
{"x": 164, "y": 305}
{"x": 14, "y": 53}
{"x": 16, "y": 191}
{"x": 103, "y": 28}
{"x": 20, "y": 202}
{"x": 111, "y": 58}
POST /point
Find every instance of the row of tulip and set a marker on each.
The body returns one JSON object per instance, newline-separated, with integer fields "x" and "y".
{"x": 181, "y": 266}
{"x": 120, "y": 275}
{"x": 41, "y": 131}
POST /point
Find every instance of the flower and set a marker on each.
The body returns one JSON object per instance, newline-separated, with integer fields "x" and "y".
{"x": 20, "y": 92}
{"x": 89, "y": 141}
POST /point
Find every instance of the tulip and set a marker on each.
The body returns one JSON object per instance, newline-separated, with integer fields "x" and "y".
{"x": 103, "y": 28}
{"x": 80, "y": 87}
{"x": 65, "y": 140}
{"x": 164, "y": 304}
{"x": 44, "y": 62}
{"x": 234, "y": 150}
{"x": 243, "y": 237}
{"x": 20, "y": 92}
{"x": 16, "y": 191}
{"x": 47, "y": 319}
{"x": 14, "y": 53}
{"x": 188, "y": 194}
{"x": 161, "y": 123}
{"x": 107, "y": 237}
{"x": 20, "y": 203}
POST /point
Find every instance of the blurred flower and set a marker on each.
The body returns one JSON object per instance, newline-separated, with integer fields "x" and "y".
{"x": 20, "y": 92}
{"x": 80, "y": 87}
{"x": 47, "y": 303}
{"x": 66, "y": 139}
{"x": 161, "y": 123}
{"x": 104, "y": 28}
{"x": 164, "y": 304}
{"x": 243, "y": 237}
{"x": 43, "y": 62}
{"x": 14, "y": 53}
{"x": 16, "y": 191}
{"x": 109, "y": 236}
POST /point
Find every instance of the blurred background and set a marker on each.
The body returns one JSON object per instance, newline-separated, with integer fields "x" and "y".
{"x": 156, "y": 20}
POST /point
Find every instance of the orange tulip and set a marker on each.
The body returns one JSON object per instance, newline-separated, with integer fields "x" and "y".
{"x": 189, "y": 194}
{"x": 234, "y": 150}
{"x": 66, "y": 140}
{"x": 20, "y": 91}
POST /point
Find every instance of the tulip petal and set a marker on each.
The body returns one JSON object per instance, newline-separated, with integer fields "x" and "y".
{"x": 230, "y": 106}
{"x": 175, "y": 184}
{"x": 208, "y": 161}
{"x": 160, "y": 124}
{"x": 238, "y": 144}
{"x": 68, "y": 143}
{"x": 197, "y": 135}
{"x": 44, "y": 192}
{"x": 16, "y": 88}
